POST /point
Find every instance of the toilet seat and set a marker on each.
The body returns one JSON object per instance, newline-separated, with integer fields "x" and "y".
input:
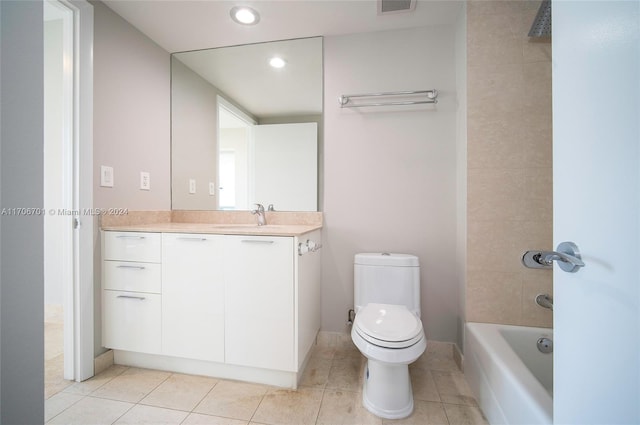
{"x": 388, "y": 326}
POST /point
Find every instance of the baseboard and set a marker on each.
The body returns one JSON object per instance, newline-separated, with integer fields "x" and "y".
{"x": 103, "y": 362}
{"x": 458, "y": 357}
{"x": 333, "y": 339}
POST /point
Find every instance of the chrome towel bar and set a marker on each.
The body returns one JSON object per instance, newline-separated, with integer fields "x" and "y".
{"x": 345, "y": 101}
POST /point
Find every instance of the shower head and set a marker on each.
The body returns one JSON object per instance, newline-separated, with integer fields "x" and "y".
{"x": 542, "y": 24}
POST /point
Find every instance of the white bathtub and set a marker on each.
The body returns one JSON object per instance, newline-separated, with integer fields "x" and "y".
{"x": 511, "y": 379}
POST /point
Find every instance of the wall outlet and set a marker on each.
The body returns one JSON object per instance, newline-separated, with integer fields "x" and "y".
{"x": 145, "y": 181}
{"x": 212, "y": 188}
{"x": 106, "y": 176}
{"x": 192, "y": 186}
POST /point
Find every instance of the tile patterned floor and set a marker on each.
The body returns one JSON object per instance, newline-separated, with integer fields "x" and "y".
{"x": 330, "y": 393}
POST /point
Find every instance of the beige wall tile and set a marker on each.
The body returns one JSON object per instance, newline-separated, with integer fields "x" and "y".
{"x": 509, "y": 160}
{"x": 476, "y": 8}
{"x": 509, "y": 194}
{"x": 499, "y": 245}
{"x": 535, "y": 50}
{"x": 494, "y": 297}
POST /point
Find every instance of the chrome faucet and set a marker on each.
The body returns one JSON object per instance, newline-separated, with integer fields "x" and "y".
{"x": 262, "y": 220}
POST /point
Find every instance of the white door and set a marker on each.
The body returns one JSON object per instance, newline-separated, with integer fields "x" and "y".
{"x": 69, "y": 231}
{"x": 285, "y": 166}
{"x": 596, "y": 156}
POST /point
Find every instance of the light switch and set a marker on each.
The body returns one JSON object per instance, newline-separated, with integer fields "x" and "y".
{"x": 192, "y": 186}
{"x": 145, "y": 180}
{"x": 212, "y": 188}
{"x": 106, "y": 176}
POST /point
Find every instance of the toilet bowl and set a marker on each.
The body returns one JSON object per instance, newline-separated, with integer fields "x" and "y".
{"x": 387, "y": 330}
{"x": 390, "y": 337}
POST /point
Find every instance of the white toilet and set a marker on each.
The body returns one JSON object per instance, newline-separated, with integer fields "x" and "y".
{"x": 387, "y": 329}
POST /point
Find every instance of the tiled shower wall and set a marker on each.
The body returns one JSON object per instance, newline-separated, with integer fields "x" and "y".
{"x": 509, "y": 174}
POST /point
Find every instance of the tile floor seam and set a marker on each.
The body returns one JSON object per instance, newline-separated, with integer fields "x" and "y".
{"x": 124, "y": 413}
{"x": 257, "y": 407}
{"x": 140, "y": 403}
{"x": 193, "y": 409}
{"x": 66, "y": 408}
{"x": 324, "y": 391}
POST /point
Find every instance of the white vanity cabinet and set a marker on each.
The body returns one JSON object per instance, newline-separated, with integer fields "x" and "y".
{"x": 232, "y": 306}
{"x": 193, "y": 304}
{"x": 259, "y": 297}
{"x": 131, "y": 297}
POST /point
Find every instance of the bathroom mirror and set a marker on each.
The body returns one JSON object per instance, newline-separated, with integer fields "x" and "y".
{"x": 244, "y": 131}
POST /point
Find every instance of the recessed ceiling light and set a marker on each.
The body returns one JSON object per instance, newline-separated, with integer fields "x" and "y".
{"x": 244, "y": 15}
{"x": 277, "y": 62}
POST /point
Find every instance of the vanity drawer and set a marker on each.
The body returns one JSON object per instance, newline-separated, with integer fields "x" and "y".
{"x": 132, "y": 321}
{"x": 132, "y": 276}
{"x": 132, "y": 246}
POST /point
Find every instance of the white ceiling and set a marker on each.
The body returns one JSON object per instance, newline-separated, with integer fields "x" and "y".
{"x": 180, "y": 25}
{"x": 244, "y": 74}
{"x": 187, "y": 25}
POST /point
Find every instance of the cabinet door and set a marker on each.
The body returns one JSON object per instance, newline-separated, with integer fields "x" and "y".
{"x": 259, "y": 293}
{"x": 192, "y": 296}
{"x": 131, "y": 321}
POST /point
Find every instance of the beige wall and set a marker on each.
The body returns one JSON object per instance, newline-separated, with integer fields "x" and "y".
{"x": 194, "y": 136}
{"x": 509, "y": 182}
{"x": 390, "y": 173}
{"x": 131, "y": 114}
{"x": 131, "y": 126}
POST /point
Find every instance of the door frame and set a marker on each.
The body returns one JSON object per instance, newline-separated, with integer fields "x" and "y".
{"x": 80, "y": 292}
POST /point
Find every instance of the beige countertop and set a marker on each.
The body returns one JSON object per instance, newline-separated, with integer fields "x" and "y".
{"x": 218, "y": 229}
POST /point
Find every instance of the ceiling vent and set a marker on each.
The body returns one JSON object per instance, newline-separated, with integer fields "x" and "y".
{"x": 395, "y": 6}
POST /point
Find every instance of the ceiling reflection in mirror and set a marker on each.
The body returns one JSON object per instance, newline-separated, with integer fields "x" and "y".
{"x": 244, "y": 131}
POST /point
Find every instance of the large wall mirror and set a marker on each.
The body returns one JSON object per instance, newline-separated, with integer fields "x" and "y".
{"x": 245, "y": 127}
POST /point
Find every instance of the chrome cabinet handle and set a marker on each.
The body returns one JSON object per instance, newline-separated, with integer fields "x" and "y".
{"x": 194, "y": 239}
{"x": 122, "y": 266}
{"x": 130, "y": 237}
{"x": 131, "y": 297}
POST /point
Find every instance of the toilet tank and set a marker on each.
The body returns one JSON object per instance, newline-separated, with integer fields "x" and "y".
{"x": 387, "y": 279}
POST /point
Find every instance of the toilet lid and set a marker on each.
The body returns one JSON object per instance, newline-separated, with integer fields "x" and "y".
{"x": 388, "y": 322}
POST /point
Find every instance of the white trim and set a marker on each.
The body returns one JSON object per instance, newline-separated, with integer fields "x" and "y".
{"x": 278, "y": 378}
{"x": 250, "y": 121}
{"x": 81, "y": 291}
{"x": 235, "y": 110}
